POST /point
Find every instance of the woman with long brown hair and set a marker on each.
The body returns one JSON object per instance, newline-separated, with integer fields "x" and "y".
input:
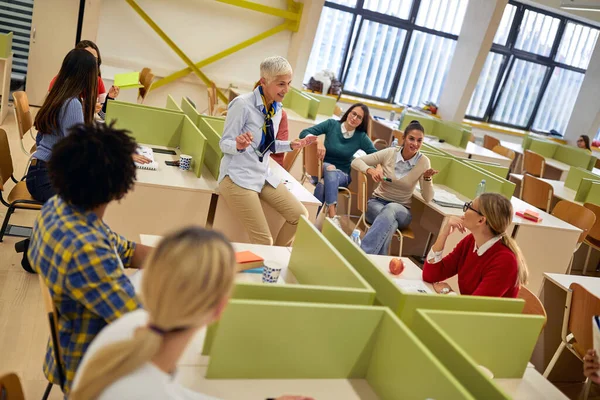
{"x": 71, "y": 101}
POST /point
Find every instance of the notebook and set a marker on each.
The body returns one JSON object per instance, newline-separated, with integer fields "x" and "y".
{"x": 148, "y": 153}
{"x": 128, "y": 80}
{"x": 248, "y": 260}
{"x": 447, "y": 199}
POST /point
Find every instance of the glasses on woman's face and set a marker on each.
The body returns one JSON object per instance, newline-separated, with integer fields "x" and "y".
{"x": 579, "y": 140}
{"x": 355, "y": 115}
{"x": 469, "y": 206}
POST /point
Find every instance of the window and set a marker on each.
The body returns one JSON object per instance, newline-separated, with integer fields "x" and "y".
{"x": 389, "y": 50}
{"x": 534, "y": 71}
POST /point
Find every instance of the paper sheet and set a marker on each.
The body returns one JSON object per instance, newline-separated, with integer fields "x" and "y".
{"x": 412, "y": 286}
{"x": 128, "y": 80}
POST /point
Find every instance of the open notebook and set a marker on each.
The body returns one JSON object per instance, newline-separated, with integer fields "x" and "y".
{"x": 148, "y": 153}
{"x": 447, "y": 199}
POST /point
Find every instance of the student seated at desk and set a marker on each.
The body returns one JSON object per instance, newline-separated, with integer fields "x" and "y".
{"x": 343, "y": 138}
{"x": 402, "y": 167}
{"x": 79, "y": 258}
{"x": 584, "y": 143}
{"x": 488, "y": 261}
{"x": 248, "y": 140}
{"x": 186, "y": 286}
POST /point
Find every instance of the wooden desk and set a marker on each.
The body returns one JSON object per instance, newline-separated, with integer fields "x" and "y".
{"x": 5, "y": 71}
{"x": 518, "y": 149}
{"x": 556, "y": 170}
{"x": 554, "y": 296}
{"x": 163, "y": 200}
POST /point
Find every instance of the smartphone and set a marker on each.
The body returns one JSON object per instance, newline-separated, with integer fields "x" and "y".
{"x": 172, "y": 163}
{"x": 164, "y": 151}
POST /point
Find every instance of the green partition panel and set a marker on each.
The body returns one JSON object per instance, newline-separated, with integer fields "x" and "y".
{"x": 592, "y": 163}
{"x": 503, "y": 343}
{"x": 6, "y": 44}
{"x": 584, "y": 188}
{"x": 526, "y": 142}
{"x": 193, "y": 143}
{"x": 171, "y": 104}
{"x": 189, "y": 110}
{"x": 575, "y": 176}
{"x": 327, "y": 104}
{"x": 456, "y": 359}
{"x": 464, "y": 179}
{"x": 427, "y": 121}
{"x": 213, "y": 155}
{"x": 507, "y": 187}
{"x": 543, "y": 147}
{"x": 149, "y": 125}
{"x": 452, "y": 133}
{"x": 314, "y": 106}
{"x": 498, "y": 170}
{"x": 297, "y": 102}
{"x": 572, "y": 156}
{"x": 302, "y": 341}
{"x": 594, "y": 194}
{"x": 442, "y": 164}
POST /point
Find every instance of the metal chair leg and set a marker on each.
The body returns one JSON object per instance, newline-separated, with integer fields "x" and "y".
{"x": 48, "y": 390}
{"x": 9, "y": 212}
{"x": 570, "y": 265}
{"x": 586, "y": 388}
{"x": 587, "y": 260}
{"x": 554, "y": 359}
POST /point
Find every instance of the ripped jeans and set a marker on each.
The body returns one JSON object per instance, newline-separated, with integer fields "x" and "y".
{"x": 327, "y": 191}
{"x": 385, "y": 217}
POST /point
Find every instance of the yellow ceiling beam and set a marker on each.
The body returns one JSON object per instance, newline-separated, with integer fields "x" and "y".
{"x": 277, "y": 12}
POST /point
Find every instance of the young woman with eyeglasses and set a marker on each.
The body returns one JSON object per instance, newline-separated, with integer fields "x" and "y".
{"x": 488, "y": 261}
{"x": 343, "y": 138}
{"x": 584, "y": 143}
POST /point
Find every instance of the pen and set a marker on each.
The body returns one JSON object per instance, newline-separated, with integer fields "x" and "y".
{"x": 385, "y": 178}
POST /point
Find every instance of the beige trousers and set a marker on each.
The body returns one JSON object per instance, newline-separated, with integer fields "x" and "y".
{"x": 245, "y": 205}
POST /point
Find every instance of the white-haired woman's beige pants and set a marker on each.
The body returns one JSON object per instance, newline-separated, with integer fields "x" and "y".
{"x": 245, "y": 205}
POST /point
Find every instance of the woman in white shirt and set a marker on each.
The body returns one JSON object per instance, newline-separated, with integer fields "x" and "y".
{"x": 186, "y": 285}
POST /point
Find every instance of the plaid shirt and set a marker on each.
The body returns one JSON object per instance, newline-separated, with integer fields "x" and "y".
{"x": 81, "y": 261}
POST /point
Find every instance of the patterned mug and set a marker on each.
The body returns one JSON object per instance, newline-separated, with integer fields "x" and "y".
{"x": 271, "y": 273}
{"x": 185, "y": 162}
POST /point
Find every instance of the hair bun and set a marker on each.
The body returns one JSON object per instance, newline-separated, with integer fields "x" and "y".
{"x": 414, "y": 121}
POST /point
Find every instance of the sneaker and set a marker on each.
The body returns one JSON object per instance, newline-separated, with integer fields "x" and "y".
{"x": 336, "y": 221}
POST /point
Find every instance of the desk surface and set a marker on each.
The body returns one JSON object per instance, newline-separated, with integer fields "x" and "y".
{"x": 516, "y": 147}
{"x": 294, "y": 116}
{"x": 480, "y": 151}
{"x": 558, "y": 188}
{"x": 557, "y": 164}
{"x": 564, "y": 281}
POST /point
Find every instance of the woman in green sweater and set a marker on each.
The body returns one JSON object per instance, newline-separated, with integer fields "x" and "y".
{"x": 343, "y": 138}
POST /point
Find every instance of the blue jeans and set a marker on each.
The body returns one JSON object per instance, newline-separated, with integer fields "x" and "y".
{"x": 385, "y": 217}
{"x": 38, "y": 182}
{"x": 327, "y": 191}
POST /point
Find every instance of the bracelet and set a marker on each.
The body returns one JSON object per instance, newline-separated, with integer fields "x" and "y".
{"x": 427, "y": 179}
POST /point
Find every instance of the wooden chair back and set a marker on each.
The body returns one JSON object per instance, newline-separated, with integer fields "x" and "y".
{"x": 597, "y": 162}
{"x": 6, "y": 165}
{"x": 311, "y": 162}
{"x": 381, "y": 131}
{"x": 472, "y": 138}
{"x": 337, "y": 111}
{"x": 366, "y": 186}
{"x": 504, "y": 151}
{"x": 536, "y": 192}
{"x": 489, "y": 142}
{"x": 594, "y": 233}
{"x": 52, "y": 315}
{"x": 22, "y": 112}
{"x": 290, "y": 158}
{"x": 533, "y": 164}
{"x": 212, "y": 98}
{"x": 584, "y": 306}
{"x": 10, "y": 387}
{"x": 146, "y": 78}
{"x": 533, "y": 305}
{"x": 576, "y": 215}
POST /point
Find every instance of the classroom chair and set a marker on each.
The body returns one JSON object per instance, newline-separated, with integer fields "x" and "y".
{"x": 146, "y": 77}
{"x": 472, "y": 138}
{"x": 593, "y": 238}
{"x": 23, "y": 118}
{"x": 52, "y": 315}
{"x": 506, "y": 152}
{"x": 576, "y": 334}
{"x": 312, "y": 166}
{"x": 489, "y": 142}
{"x": 365, "y": 189}
{"x": 18, "y": 197}
{"x": 10, "y": 387}
{"x": 337, "y": 111}
{"x": 576, "y": 215}
{"x": 533, "y": 305}
{"x": 380, "y": 132}
{"x": 289, "y": 159}
{"x": 533, "y": 164}
{"x": 536, "y": 192}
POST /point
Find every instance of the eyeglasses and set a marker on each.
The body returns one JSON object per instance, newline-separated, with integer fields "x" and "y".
{"x": 579, "y": 140}
{"x": 355, "y": 115}
{"x": 469, "y": 206}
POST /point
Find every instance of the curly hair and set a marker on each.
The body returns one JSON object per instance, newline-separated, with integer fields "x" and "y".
{"x": 93, "y": 165}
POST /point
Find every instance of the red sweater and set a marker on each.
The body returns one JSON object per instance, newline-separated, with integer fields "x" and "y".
{"x": 282, "y": 134}
{"x": 492, "y": 274}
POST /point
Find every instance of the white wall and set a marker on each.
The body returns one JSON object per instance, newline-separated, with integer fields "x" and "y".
{"x": 201, "y": 28}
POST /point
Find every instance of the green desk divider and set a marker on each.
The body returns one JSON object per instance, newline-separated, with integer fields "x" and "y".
{"x": 301, "y": 104}
{"x": 453, "y": 133}
{"x": 584, "y": 189}
{"x": 314, "y": 106}
{"x": 193, "y": 143}
{"x": 576, "y": 175}
{"x": 213, "y": 155}
{"x": 6, "y": 44}
{"x": 151, "y": 125}
{"x": 326, "y": 103}
{"x": 302, "y": 341}
{"x": 543, "y": 147}
{"x": 594, "y": 194}
{"x": 426, "y": 120}
{"x": 495, "y": 169}
{"x": 172, "y": 105}
{"x": 573, "y": 156}
{"x": 403, "y": 304}
{"x": 189, "y": 110}
{"x": 322, "y": 273}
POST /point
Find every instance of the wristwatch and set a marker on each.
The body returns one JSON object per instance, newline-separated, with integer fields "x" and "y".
{"x": 445, "y": 290}
{"x": 427, "y": 179}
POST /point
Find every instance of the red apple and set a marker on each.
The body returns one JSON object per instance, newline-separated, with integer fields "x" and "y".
{"x": 396, "y": 266}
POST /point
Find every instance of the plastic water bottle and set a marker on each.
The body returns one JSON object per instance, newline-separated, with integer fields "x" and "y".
{"x": 395, "y": 142}
{"x": 480, "y": 188}
{"x": 355, "y": 237}
{"x": 392, "y": 115}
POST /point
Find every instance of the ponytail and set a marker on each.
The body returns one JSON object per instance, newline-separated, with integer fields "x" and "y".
{"x": 116, "y": 361}
{"x": 522, "y": 270}
{"x": 414, "y": 125}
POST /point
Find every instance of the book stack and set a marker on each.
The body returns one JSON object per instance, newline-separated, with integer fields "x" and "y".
{"x": 447, "y": 199}
{"x": 247, "y": 260}
{"x": 529, "y": 215}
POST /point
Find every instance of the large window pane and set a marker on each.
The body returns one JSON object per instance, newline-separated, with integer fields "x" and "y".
{"x": 505, "y": 24}
{"x": 395, "y": 8}
{"x": 537, "y": 33}
{"x": 485, "y": 85}
{"x": 425, "y": 69}
{"x": 558, "y": 101}
{"x": 518, "y": 98}
{"x": 577, "y": 45}
{"x": 330, "y": 42}
{"x": 442, "y": 15}
{"x": 375, "y": 59}
{"x": 349, "y": 3}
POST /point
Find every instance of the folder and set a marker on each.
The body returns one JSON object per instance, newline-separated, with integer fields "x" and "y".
{"x": 128, "y": 80}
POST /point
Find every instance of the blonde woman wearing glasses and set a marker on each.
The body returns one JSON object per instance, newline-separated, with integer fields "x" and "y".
{"x": 186, "y": 285}
{"x": 249, "y": 137}
{"x": 343, "y": 138}
{"x": 488, "y": 261}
